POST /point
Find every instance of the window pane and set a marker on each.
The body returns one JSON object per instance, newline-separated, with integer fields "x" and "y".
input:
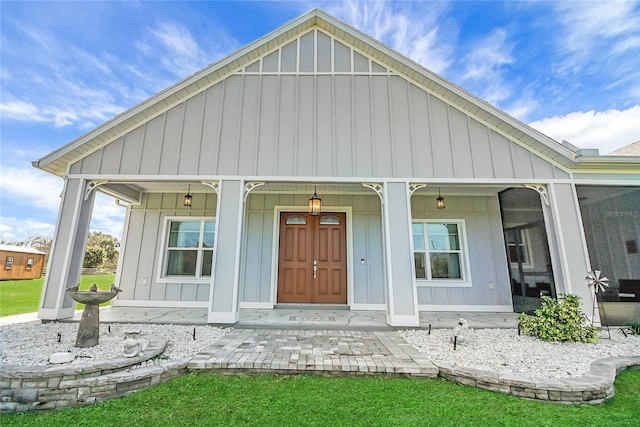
{"x": 296, "y": 220}
{"x": 184, "y": 234}
{"x": 443, "y": 237}
{"x": 445, "y": 266}
{"x": 181, "y": 263}
{"x": 209, "y": 234}
{"x": 329, "y": 220}
{"x": 418, "y": 237}
{"x": 207, "y": 261}
{"x": 421, "y": 271}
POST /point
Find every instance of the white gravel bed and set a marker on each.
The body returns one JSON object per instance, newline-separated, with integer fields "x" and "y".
{"x": 504, "y": 351}
{"x": 32, "y": 343}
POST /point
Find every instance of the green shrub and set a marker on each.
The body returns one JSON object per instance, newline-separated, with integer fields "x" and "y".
{"x": 634, "y": 327}
{"x": 559, "y": 320}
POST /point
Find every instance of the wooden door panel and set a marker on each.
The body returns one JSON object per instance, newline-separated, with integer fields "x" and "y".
{"x": 302, "y": 250}
{"x": 336, "y": 281}
{"x": 322, "y": 286}
{"x": 288, "y": 236}
{"x": 302, "y": 282}
{"x": 323, "y": 250}
{"x": 337, "y": 243}
{"x": 332, "y": 262}
{"x": 295, "y": 263}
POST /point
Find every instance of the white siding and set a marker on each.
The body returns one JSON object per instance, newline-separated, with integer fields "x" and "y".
{"x": 143, "y": 248}
{"x": 348, "y": 118}
{"x": 487, "y": 253}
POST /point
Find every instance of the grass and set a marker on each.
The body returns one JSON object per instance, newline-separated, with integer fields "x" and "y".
{"x": 23, "y": 296}
{"x": 266, "y": 400}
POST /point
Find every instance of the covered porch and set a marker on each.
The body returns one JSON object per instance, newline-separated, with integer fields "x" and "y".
{"x": 238, "y": 226}
{"x": 302, "y": 317}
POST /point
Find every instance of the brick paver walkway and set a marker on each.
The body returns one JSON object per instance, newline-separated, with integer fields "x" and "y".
{"x": 326, "y": 351}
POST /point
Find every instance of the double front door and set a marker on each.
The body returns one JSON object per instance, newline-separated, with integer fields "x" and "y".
{"x": 312, "y": 261}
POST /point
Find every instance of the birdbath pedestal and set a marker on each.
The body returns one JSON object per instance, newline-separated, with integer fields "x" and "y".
{"x": 88, "y": 330}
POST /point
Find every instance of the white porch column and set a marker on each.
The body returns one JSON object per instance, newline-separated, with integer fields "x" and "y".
{"x": 571, "y": 244}
{"x": 67, "y": 250}
{"x": 223, "y": 298}
{"x": 402, "y": 297}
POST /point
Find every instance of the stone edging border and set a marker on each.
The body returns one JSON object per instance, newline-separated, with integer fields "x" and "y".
{"x": 594, "y": 388}
{"x": 34, "y": 388}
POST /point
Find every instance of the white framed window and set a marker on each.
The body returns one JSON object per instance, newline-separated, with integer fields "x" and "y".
{"x": 188, "y": 245}
{"x": 519, "y": 245}
{"x": 29, "y": 263}
{"x": 440, "y": 253}
{"x": 8, "y": 263}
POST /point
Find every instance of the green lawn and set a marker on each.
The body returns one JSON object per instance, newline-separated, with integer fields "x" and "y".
{"x": 264, "y": 400}
{"x": 23, "y": 296}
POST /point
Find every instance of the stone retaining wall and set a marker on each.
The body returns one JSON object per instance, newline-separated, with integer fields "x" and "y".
{"x": 594, "y": 388}
{"x": 34, "y": 388}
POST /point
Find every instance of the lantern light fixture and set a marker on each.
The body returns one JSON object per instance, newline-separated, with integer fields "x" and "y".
{"x": 188, "y": 198}
{"x": 315, "y": 203}
{"x": 439, "y": 200}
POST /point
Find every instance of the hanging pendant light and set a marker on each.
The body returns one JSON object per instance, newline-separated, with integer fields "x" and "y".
{"x": 439, "y": 200}
{"x": 315, "y": 203}
{"x": 188, "y": 198}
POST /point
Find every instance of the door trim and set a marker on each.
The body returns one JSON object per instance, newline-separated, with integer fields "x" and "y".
{"x": 277, "y": 210}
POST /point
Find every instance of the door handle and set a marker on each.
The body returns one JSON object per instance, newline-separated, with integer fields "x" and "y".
{"x": 315, "y": 269}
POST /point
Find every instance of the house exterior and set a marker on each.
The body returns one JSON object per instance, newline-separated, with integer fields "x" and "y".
{"x": 20, "y": 262}
{"x": 217, "y": 173}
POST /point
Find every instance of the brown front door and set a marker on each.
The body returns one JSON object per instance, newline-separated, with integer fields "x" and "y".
{"x": 312, "y": 262}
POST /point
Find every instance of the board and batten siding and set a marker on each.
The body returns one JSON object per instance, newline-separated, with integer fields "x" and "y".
{"x": 317, "y": 125}
{"x": 487, "y": 252}
{"x": 258, "y": 245}
{"x": 144, "y": 248}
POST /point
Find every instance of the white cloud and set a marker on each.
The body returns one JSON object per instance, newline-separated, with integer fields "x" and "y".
{"x": 37, "y": 196}
{"x": 415, "y": 34}
{"x": 13, "y": 229}
{"x": 488, "y": 56}
{"x": 21, "y": 110}
{"x": 181, "y": 53}
{"x": 606, "y": 130}
{"x": 107, "y": 216}
{"x": 587, "y": 24}
{"x": 28, "y": 185}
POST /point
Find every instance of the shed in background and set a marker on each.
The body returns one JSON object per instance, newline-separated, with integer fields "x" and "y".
{"x": 20, "y": 262}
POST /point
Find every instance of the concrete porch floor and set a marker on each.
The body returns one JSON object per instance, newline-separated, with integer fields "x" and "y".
{"x": 302, "y": 318}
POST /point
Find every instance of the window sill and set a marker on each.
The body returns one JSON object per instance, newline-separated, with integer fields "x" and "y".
{"x": 184, "y": 279}
{"x": 443, "y": 283}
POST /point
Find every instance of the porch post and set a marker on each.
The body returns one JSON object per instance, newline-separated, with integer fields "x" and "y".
{"x": 402, "y": 298}
{"x": 67, "y": 250}
{"x": 571, "y": 244}
{"x": 223, "y": 297}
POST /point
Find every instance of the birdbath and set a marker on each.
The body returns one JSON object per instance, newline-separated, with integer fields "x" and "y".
{"x": 88, "y": 330}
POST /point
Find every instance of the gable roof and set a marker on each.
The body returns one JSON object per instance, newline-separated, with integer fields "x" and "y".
{"x": 21, "y": 249}
{"x": 57, "y": 161}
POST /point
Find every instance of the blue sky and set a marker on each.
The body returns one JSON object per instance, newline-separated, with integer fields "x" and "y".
{"x": 569, "y": 69}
